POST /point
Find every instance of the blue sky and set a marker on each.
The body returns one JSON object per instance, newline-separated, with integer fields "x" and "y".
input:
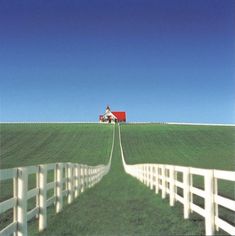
{"x": 156, "y": 60}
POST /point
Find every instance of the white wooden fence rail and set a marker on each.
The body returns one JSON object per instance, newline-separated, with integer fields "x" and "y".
{"x": 69, "y": 180}
{"x": 164, "y": 178}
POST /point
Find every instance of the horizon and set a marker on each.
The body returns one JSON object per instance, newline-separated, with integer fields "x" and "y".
{"x": 161, "y": 61}
{"x": 132, "y": 122}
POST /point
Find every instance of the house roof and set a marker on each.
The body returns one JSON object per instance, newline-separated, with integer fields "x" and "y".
{"x": 109, "y": 113}
{"x": 115, "y": 115}
{"x": 121, "y": 115}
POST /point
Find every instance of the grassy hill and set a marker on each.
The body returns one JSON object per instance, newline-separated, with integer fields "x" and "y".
{"x": 31, "y": 144}
{"x": 211, "y": 147}
{"x": 118, "y": 205}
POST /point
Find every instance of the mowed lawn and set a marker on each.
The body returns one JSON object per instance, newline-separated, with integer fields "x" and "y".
{"x": 31, "y": 144}
{"x": 119, "y": 204}
{"x": 211, "y": 147}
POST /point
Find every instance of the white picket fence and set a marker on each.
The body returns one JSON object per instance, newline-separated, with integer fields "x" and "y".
{"x": 166, "y": 178}
{"x": 69, "y": 181}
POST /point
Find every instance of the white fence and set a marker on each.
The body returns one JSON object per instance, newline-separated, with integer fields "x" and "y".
{"x": 166, "y": 178}
{"x": 69, "y": 180}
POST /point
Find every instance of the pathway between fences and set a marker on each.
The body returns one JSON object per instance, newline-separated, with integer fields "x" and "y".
{"x": 119, "y": 205}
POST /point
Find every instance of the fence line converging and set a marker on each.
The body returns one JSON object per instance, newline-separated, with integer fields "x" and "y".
{"x": 166, "y": 178}
{"x": 72, "y": 179}
{"x": 69, "y": 181}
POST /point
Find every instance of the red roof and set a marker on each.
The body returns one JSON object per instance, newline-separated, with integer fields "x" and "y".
{"x": 121, "y": 115}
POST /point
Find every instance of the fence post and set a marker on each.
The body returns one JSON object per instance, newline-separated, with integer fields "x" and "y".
{"x": 21, "y": 212}
{"x": 151, "y": 177}
{"x": 86, "y": 177}
{"x": 216, "y": 205}
{"x": 172, "y": 185}
{"x": 94, "y": 175}
{"x": 163, "y": 182}
{"x": 37, "y": 185}
{"x": 209, "y": 202}
{"x": 82, "y": 178}
{"x": 142, "y": 173}
{"x": 15, "y": 193}
{"x": 79, "y": 179}
{"x": 42, "y": 197}
{"x": 93, "y": 183}
{"x": 89, "y": 177}
{"x": 145, "y": 175}
{"x": 70, "y": 183}
{"x": 97, "y": 175}
{"x": 92, "y": 178}
{"x": 100, "y": 175}
{"x": 186, "y": 178}
{"x": 76, "y": 182}
{"x": 55, "y": 194}
{"x": 66, "y": 176}
{"x": 148, "y": 175}
{"x": 138, "y": 173}
{"x": 190, "y": 186}
{"x": 59, "y": 187}
{"x": 156, "y": 180}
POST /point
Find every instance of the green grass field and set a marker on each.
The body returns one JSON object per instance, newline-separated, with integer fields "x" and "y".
{"x": 211, "y": 147}
{"x": 30, "y": 144}
{"x": 119, "y": 204}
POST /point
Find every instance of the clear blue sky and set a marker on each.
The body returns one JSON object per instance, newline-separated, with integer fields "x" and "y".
{"x": 156, "y": 60}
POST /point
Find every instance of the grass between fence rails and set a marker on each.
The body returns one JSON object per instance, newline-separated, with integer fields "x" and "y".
{"x": 32, "y": 144}
{"x": 210, "y": 147}
{"x": 119, "y": 205}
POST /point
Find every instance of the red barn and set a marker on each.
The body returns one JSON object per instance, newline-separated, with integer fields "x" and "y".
{"x": 121, "y": 115}
{"x": 112, "y": 117}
